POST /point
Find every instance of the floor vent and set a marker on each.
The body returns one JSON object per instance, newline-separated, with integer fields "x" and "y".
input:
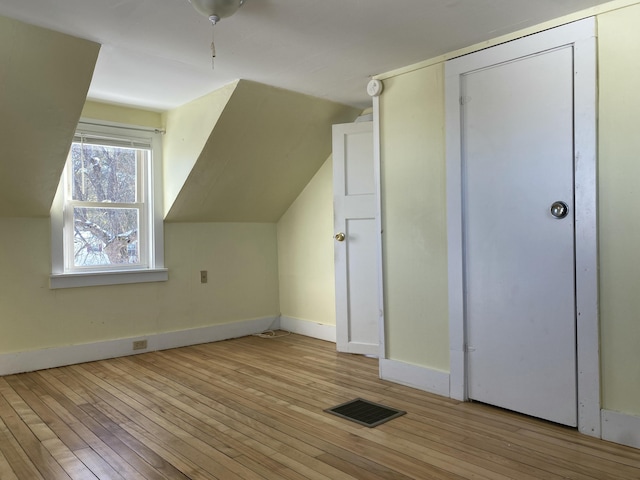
{"x": 365, "y": 412}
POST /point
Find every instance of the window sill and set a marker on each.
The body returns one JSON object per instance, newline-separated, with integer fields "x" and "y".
{"x": 94, "y": 279}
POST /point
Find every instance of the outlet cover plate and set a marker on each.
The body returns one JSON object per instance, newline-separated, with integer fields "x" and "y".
{"x": 140, "y": 345}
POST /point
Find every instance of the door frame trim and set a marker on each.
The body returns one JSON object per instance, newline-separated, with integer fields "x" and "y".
{"x": 582, "y": 36}
{"x": 377, "y": 175}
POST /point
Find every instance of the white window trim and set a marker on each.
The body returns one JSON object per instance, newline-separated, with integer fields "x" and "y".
{"x": 155, "y": 271}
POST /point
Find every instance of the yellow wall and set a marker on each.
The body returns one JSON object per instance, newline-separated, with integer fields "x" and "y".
{"x": 414, "y": 209}
{"x": 619, "y": 208}
{"x": 305, "y": 252}
{"x": 266, "y": 145}
{"x": 414, "y": 218}
{"x": 44, "y": 79}
{"x": 241, "y": 260}
{"x": 188, "y": 130}
{"x": 243, "y": 284}
{"x": 120, "y": 114}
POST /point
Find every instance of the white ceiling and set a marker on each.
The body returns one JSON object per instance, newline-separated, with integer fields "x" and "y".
{"x": 156, "y": 53}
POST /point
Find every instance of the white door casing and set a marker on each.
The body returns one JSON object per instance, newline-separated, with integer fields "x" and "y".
{"x": 356, "y": 257}
{"x": 579, "y": 38}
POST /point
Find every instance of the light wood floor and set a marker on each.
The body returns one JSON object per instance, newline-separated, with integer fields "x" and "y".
{"x": 252, "y": 408}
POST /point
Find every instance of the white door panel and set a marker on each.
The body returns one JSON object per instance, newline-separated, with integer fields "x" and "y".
{"x": 361, "y": 284}
{"x": 517, "y": 133}
{"x": 355, "y": 206}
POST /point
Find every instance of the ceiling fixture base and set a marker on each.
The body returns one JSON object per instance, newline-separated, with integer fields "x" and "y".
{"x": 216, "y": 8}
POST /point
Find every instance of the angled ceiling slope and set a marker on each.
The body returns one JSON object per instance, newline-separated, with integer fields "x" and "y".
{"x": 265, "y": 147}
{"x": 44, "y": 79}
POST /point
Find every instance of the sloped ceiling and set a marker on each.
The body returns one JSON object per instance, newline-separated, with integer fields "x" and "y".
{"x": 266, "y": 145}
{"x": 44, "y": 79}
{"x": 188, "y": 129}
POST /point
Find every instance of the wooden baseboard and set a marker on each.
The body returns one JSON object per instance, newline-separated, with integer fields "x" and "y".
{"x": 426, "y": 379}
{"x": 28, "y": 361}
{"x": 309, "y": 329}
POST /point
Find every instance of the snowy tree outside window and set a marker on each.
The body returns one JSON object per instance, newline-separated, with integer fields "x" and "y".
{"x": 106, "y": 204}
{"x": 106, "y": 224}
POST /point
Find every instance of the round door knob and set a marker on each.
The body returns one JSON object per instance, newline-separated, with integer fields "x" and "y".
{"x": 559, "y": 209}
{"x": 339, "y": 237}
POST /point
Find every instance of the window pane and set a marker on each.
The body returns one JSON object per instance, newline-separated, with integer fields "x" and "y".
{"x": 105, "y": 236}
{"x": 104, "y": 174}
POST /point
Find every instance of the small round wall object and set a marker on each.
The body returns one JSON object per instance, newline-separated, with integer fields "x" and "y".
{"x": 374, "y": 87}
{"x": 559, "y": 210}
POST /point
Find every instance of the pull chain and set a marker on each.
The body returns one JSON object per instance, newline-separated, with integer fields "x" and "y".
{"x": 213, "y": 19}
{"x": 213, "y": 48}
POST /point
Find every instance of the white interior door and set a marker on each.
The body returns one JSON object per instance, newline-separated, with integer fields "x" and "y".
{"x": 355, "y": 207}
{"x": 517, "y": 143}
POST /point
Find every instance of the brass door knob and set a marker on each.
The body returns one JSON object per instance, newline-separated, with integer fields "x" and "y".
{"x": 339, "y": 237}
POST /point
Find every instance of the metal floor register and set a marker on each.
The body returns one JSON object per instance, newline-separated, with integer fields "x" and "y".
{"x": 365, "y": 412}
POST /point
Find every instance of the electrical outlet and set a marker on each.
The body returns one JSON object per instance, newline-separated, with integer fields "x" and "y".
{"x": 203, "y": 276}
{"x": 140, "y": 345}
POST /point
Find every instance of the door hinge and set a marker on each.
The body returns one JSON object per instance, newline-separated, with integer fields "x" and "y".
{"x": 464, "y": 100}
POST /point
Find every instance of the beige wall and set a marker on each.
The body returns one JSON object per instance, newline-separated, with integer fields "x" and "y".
{"x": 120, "y": 114}
{"x": 188, "y": 130}
{"x": 241, "y": 260}
{"x": 414, "y": 209}
{"x": 619, "y": 208}
{"x": 243, "y": 284}
{"x": 266, "y": 145}
{"x": 44, "y": 78}
{"x": 414, "y": 218}
{"x": 305, "y": 252}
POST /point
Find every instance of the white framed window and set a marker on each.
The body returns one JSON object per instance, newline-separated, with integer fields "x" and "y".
{"x": 106, "y": 219}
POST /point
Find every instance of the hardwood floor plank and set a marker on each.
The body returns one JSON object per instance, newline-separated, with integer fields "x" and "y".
{"x": 32, "y": 394}
{"x": 117, "y": 454}
{"x": 362, "y": 470}
{"x": 6, "y": 472}
{"x": 244, "y": 400}
{"x": 154, "y": 466}
{"x": 270, "y": 470}
{"x": 171, "y": 434}
{"x": 271, "y": 387}
{"x": 243, "y": 437}
{"x": 17, "y": 459}
{"x": 242, "y": 395}
{"x": 100, "y": 468}
{"x": 199, "y": 420}
{"x": 190, "y": 468}
{"x": 565, "y": 468}
{"x": 252, "y": 408}
{"x": 18, "y": 418}
{"x": 152, "y": 399}
{"x": 261, "y": 428}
